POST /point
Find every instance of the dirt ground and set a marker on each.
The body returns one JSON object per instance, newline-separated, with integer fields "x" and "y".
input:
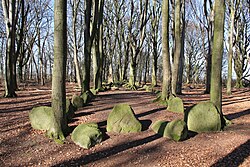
{"x": 22, "y": 146}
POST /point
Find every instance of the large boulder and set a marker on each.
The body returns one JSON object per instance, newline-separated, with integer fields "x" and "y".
{"x": 87, "y": 135}
{"x": 41, "y": 118}
{"x": 203, "y": 117}
{"x": 122, "y": 120}
{"x": 176, "y": 130}
{"x": 175, "y": 104}
{"x": 87, "y": 97}
{"x": 94, "y": 91}
{"x": 70, "y": 110}
{"x": 159, "y": 127}
{"x": 77, "y": 101}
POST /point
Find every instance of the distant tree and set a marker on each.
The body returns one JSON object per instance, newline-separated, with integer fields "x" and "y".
{"x": 75, "y": 9}
{"x": 98, "y": 48}
{"x": 91, "y": 10}
{"x": 166, "y": 85}
{"x": 232, "y": 8}
{"x": 136, "y": 38}
{"x": 155, "y": 22}
{"x": 59, "y": 71}
{"x": 242, "y": 43}
{"x": 216, "y": 80}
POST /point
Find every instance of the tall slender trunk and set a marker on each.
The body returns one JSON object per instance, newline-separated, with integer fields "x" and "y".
{"x": 76, "y": 62}
{"x": 9, "y": 9}
{"x": 166, "y": 85}
{"x": 177, "y": 49}
{"x": 59, "y": 71}
{"x": 230, "y": 54}
{"x": 216, "y": 81}
{"x": 183, "y": 29}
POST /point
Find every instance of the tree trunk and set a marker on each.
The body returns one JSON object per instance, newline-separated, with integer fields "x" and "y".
{"x": 10, "y": 22}
{"x": 166, "y": 85}
{"x": 216, "y": 81}
{"x": 210, "y": 32}
{"x": 177, "y": 50}
{"x": 180, "y": 74}
{"x": 76, "y": 62}
{"x": 87, "y": 47}
{"x": 59, "y": 71}
{"x": 230, "y": 54}
{"x": 98, "y": 49}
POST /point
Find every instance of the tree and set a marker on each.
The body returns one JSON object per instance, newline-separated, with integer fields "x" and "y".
{"x": 136, "y": 39}
{"x": 183, "y": 29}
{"x": 155, "y": 21}
{"x": 166, "y": 85}
{"x": 59, "y": 71}
{"x": 75, "y": 6}
{"x": 177, "y": 48}
{"x": 231, "y": 45}
{"x": 98, "y": 48}
{"x": 91, "y": 9}
{"x": 216, "y": 81}
{"x": 9, "y": 8}
{"x": 242, "y": 24}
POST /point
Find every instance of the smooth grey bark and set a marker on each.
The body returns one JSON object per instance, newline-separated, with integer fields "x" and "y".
{"x": 183, "y": 29}
{"x": 166, "y": 85}
{"x": 216, "y": 80}
{"x": 59, "y": 126}
{"x": 89, "y": 34}
{"x": 76, "y": 62}
{"x": 177, "y": 48}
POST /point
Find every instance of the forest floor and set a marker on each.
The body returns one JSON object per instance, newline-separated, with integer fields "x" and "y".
{"x": 20, "y": 145}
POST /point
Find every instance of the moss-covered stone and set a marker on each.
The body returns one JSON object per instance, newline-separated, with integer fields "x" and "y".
{"x": 114, "y": 88}
{"x": 86, "y": 135}
{"x": 77, "y": 101}
{"x": 87, "y": 97}
{"x": 70, "y": 110}
{"x": 175, "y": 104}
{"x": 203, "y": 117}
{"x": 159, "y": 127}
{"x": 41, "y": 118}
{"x": 176, "y": 130}
{"x": 122, "y": 120}
{"x": 94, "y": 91}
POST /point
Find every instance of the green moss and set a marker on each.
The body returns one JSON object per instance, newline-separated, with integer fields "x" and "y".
{"x": 87, "y": 135}
{"x": 70, "y": 110}
{"x": 122, "y": 120}
{"x": 87, "y": 97}
{"x": 41, "y": 118}
{"x": 203, "y": 117}
{"x": 175, "y": 104}
{"x": 176, "y": 130}
{"x": 94, "y": 91}
{"x": 159, "y": 127}
{"x": 77, "y": 101}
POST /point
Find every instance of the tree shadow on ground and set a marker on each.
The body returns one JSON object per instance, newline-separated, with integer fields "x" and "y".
{"x": 236, "y": 157}
{"x": 108, "y": 152}
{"x": 238, "y": 114}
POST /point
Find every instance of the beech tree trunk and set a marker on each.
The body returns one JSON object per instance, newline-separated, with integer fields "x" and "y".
{"x": 216, "y": 81}
{"x": 177, "y": 50}
{"x": 9, "y": 8}
{"x": 166, "y": 85}
{"x": 59, "y": 71}
{"x": 230, "y": 54}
